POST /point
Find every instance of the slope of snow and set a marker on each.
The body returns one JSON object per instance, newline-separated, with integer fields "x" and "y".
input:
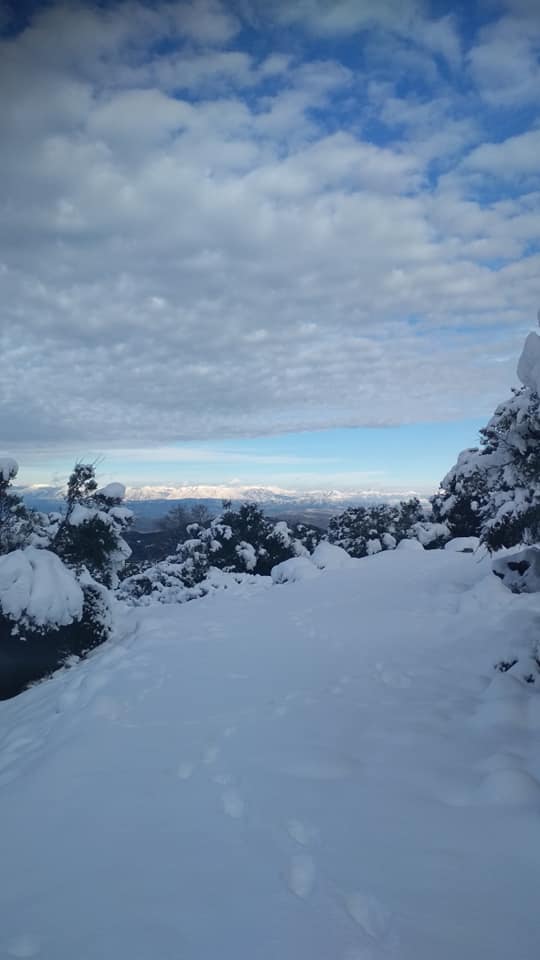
{"x": 323, "y": 770}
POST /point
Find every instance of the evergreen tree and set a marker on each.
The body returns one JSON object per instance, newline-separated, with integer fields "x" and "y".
{"x": 363, "y": 531}
{"x": 463, "y": 496}
{"x": 15, "y": 519}
{"x": 494, "y": 491}
{"x": 90, "y": 534}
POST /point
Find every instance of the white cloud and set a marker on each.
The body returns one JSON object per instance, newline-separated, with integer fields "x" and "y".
{"x": 187, "y": 257}
{"x": 513, "y": 157}
{"x": 504, "y": 63}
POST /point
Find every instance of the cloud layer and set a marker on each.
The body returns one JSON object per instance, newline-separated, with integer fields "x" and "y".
{"x": 242, "y": 219}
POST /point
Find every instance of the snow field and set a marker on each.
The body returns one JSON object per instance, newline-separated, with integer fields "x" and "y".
{"x": 329, "y": 769}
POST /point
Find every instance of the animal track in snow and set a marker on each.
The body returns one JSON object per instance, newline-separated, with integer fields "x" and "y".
{"x": 302, "y": 875}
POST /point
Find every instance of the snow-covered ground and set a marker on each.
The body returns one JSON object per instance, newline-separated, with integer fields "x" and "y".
{"x": 328, "y": 769}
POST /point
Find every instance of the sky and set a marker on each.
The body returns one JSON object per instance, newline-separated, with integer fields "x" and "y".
{"x": 284, "y": 242}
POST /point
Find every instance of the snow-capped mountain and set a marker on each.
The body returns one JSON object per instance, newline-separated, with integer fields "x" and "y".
{"x": 237, "y": 492}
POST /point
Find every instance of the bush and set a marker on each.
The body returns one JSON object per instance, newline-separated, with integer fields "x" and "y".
{"x": 363, "y": 531}
{"x": 54, "y": 574}
{"x": 47, "y": 615}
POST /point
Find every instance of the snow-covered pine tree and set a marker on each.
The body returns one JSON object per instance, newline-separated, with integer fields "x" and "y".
{"x": 245, "y": 541}
{"x": 90, "y": 534}
{"x": 15, "y": 519}
{"x": 463, "y": 496}
{"x": 494, "y": 490}
{"x": 363, "y": 531}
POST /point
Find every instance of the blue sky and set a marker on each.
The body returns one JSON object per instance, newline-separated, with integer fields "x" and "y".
{"x": 389, "y": 459}
{"x": 291, "y": 242}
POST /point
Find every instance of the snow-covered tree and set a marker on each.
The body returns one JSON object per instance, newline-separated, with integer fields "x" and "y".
{"x": 494, "y": 490}
{"x": 15, "y": 519}
{"x": 54, "y": 573}
{"x": 239, "y": 542}
{"x": 463, "y": 496}
{"x": 363, "y": 531}
{"x": 242, "y": 541}
{"x": 90, "y": 533}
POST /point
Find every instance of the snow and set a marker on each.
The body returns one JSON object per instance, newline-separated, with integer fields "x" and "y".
{"x": 429, "y": 532}
{"x": 9, "y": 468}
{"x": 373, "y": 546}
{"x": 37, "y": 588}
{"x": 528, "y": 369}
{"x": 246, "y": 552}
{"x": 113, "y": 491}
{"x": 328, "y": 556}
{"x": 329, "y": 770}
{"x": 519, "y": 570}
{"x": 409, "y": 543}
{"x": 463, "y": 544}
{"x": 294, "y": 570}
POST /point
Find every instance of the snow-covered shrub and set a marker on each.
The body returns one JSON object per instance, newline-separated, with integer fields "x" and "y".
{"x": 47, "y": 614}
{"x": 431, "y": 535}
{"x": 462, "y": 545}
{"x": 409, "y": 544}
{"x": 363, "y": 531}
{"x": 89, "y": 535}
{"x": 54, "y": 574}
{"x": 295, "y": 570}
{"x": 328, "y": 556}
{"x": 494, "y": 491}
{"x": 241, "y": 541}
{"x": 167, "y": 581}
{"x": 164, "y": 582}
{"x": 306, "y": 536}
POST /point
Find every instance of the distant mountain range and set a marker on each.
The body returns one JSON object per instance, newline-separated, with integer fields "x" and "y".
{"x": 236, "y": 493}
{"x": 149, "y": 503}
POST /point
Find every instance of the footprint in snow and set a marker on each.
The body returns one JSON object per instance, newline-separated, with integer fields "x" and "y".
{"x": 302, "y": 875}
{"x": 224, "y": 779}
{"x": 210, "y": 755}
{"x": 233, "y": 804}
{"x": 301, "y": 832}
{"x": 25, "y": 945}
{"x": 370, "y": 914}
{"x": 106, "y": 707}
{"x": 185, "y": 771}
